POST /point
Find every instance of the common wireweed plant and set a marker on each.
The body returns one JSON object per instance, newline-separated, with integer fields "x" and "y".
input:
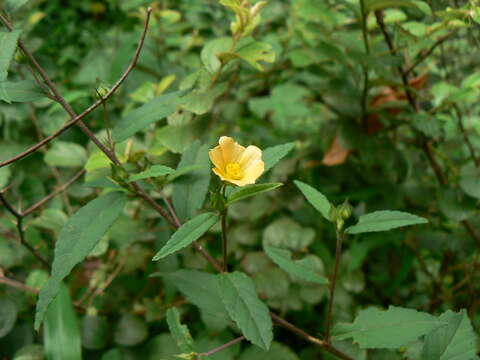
{"x": 131, "y": 228}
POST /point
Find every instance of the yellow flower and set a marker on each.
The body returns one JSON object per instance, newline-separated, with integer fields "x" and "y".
{"x": 236, "y": 164}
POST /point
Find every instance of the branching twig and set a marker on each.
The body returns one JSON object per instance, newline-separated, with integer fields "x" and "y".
{"x": 425, "y": 54}
{"x": 53, "y": 194}
{"x": 76, "y": 119}
{"x": 222, "y": 347}
{"x": 16, "y": 284}
{"x": 18, "y": 216}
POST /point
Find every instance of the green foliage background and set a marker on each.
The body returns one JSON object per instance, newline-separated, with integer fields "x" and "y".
{"x": 408, "y": 148}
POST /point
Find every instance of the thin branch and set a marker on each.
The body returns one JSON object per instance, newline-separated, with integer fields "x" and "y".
{"x": 76, "y": 119}
{"x": 18, "y": 216}
{"x": 425, "y": 54}
{"x": 100, "y": 289}
{"x": 391, "y": 47}
{"x": 222, "y": 347}
{"x": 316, "y": 341}
{"x": 53, "y": 194}
{"x": 426, "y": 147}
{"x": 17, "y": 284}
{"x": 224, "y": 240}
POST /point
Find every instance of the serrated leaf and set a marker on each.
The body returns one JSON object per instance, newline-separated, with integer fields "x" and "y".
{"x": 211, "y": 50}
{"x": 189, "y": 192}
{"x": 200, "y": 102}
{"x": 156, "y": 109}
{"x": 298, "y": 269}
{"x": 245, "y": 308}
{"x": 201, "y": 289}
{"x": 245, "y": 192}
{"x": 253, "y": 53}
{"x": 274, "y": 154}
{"x": 76, "y": 240}
{"x": 456, "y": 340}
{"x": 8, "y": 44}
{"x": 387, "y": 329}
{"x": 180, "y": 332}
{"x": 315, "y": 198}
{"x": 62, "y": 334}
{"x": 20, "y": 91}
{"x": 187, "y": 233}
{"x": 383, "y": 221}
{"x": 154, "y": 171}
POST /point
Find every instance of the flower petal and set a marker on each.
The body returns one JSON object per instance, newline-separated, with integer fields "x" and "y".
{"x": 216, "y": 157}
{"x": 250, "y": 155}
{"x": 231, "y": 150}
{"x": 253, "y": 171}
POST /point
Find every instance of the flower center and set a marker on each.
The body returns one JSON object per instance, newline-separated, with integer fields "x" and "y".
{"x": 234, "y": 171}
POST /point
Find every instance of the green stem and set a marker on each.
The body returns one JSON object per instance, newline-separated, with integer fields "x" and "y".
{"x": 333, "y": 284}
{"x": 223, "y": 216}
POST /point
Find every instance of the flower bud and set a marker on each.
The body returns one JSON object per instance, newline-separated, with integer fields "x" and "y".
{"x": 345, "y": 210}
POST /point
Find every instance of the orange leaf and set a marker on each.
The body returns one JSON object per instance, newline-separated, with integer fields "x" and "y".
{"x": 337, "y": 154}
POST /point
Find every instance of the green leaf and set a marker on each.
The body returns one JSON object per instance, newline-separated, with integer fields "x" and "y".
{"x": 20, "y": 91}
{"x": 470, "y": 181}
{"x": 175, "y": 138}
{"x": 201, "y": 289}
{"x": 387, "y": 329}
{"x": 274, "y": 154}
{"x": 186, "y": 234}
{"x": 5, "y": 174}
{"x": 299, "y": 269}
{"x": 245, "y": 308}
{"x": 8, "y": 44}
{"x": 245, "y": 192}
{"x": 286, "y": 233}
{"x": 62, "y": 334}
{"x": 189, "y": 192}
{"x": 154, "y": 171}
{"x": 253, "y": 53}
{"x": 456, "y": 340}
{"x": 277, "y": 352}
{"x": 315, "y": 198}
{"x": 211, "y": 50}
{"x": 30, "y": 352}
{"x": 200, "y": 102}
{"x": 375, "y": 5}
{"x": 180, "y": 332}
{"x": 79, "y": 236}
{"x": 66, "y": 154}
{"x": 182, "y": 171}
{"x": 384, "y": 220}
{"x": 14, "y": 5}
{"x": 8, "y": 316}
{"x": 140, "y": 118}
{"x": 130, "y": 330}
